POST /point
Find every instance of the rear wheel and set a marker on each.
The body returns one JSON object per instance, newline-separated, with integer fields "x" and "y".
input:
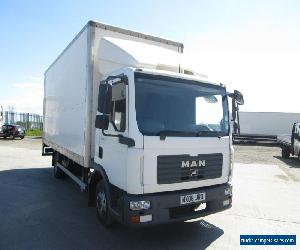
{"x": 285, "y": 152}
{"x": 102, "y": 205}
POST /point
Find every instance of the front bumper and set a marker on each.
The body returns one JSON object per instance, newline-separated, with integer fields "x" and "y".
{"x": 166, "y": 207}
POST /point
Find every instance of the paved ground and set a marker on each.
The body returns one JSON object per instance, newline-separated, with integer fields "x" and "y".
{"x": 40, "y": 212}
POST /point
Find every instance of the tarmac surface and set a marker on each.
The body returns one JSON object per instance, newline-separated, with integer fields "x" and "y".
{"x": 38, "y": 211}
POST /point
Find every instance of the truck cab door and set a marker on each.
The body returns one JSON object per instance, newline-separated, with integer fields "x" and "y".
{"x": 110, "y": 152}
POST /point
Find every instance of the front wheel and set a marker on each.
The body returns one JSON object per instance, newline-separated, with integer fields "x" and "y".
{"x": 22, "y": 137}
{"x": 102, "y": 205}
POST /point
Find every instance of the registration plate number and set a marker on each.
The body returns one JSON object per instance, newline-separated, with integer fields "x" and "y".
{"x": 192, "y": 198}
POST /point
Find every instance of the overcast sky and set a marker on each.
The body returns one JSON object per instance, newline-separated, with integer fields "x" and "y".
{"x": 253, "y": 46}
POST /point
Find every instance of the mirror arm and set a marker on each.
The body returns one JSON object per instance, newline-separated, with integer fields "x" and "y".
{"x": 122, "y": 139}
{"x": 105, "y": 134}
{"x": 122, "y": 77}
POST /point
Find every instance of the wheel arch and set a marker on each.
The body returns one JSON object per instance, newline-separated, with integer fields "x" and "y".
{"x": 99, "y": 174}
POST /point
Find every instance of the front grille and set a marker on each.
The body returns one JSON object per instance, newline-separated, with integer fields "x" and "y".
{"x": 182, "y": 168}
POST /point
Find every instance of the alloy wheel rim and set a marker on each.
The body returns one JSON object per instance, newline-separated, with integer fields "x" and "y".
{"x": 101, "y": 203}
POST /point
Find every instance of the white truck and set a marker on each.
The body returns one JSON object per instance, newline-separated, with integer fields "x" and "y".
{"x": 290, "y": 144}
{"x": 147, "y": 138}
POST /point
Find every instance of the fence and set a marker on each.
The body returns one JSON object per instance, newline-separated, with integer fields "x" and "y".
{"x": 26, "y": 120}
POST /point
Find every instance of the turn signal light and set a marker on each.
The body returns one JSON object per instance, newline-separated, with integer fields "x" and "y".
{"x": 134, "y": 219}
{"x": 140, "y": 218}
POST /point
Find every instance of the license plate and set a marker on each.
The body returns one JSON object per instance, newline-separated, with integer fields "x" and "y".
{"x": 192, "y": 198}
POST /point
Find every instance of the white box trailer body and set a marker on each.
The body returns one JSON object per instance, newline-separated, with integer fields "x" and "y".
{"x": 164, "y": 145}
{"x": 267, "y": 123}
{"x": 71, "y": 87}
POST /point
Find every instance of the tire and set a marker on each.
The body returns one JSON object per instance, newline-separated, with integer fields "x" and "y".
{"x": 285, "y": 152}
{"x": 22, "y": 137}
{"x": 57, "y": 172}
{"x": 102, "y": 205}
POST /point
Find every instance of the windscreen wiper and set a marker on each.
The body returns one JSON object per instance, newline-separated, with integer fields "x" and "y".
{"x": 164, "y": 133}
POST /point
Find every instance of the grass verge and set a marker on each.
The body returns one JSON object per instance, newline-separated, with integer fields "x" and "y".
{"x": 33, "y": 132}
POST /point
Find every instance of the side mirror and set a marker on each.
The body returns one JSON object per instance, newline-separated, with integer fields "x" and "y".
{"x": 238, "y": 96}
{"x": 102, "y": 122}
{"x": 104, "y": 98}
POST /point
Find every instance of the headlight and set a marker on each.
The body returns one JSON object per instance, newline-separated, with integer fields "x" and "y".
{"x": 19, "y": 129}
{"x": 139, "y": 205}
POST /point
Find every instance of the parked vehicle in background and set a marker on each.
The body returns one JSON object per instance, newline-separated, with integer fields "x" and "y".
{"x": 290, "y": 144}
{"x": 12, "y": 130}
{"x": 149, "y": 139}
{"x": 1, "y": 118}
{"x": 264, "y": 126}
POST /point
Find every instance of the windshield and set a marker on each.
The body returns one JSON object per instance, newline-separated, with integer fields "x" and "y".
{"x": 179, "y": 107}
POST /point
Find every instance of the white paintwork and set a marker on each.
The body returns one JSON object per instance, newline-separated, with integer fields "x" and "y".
{"x": 267, "y": 123}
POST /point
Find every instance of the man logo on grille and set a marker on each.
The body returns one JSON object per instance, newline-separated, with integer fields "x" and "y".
{"x": 190, "y": 164}
{"x": 194, "y": 172}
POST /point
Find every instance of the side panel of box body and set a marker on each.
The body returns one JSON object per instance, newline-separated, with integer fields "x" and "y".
{"x": 66, "y": 100}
